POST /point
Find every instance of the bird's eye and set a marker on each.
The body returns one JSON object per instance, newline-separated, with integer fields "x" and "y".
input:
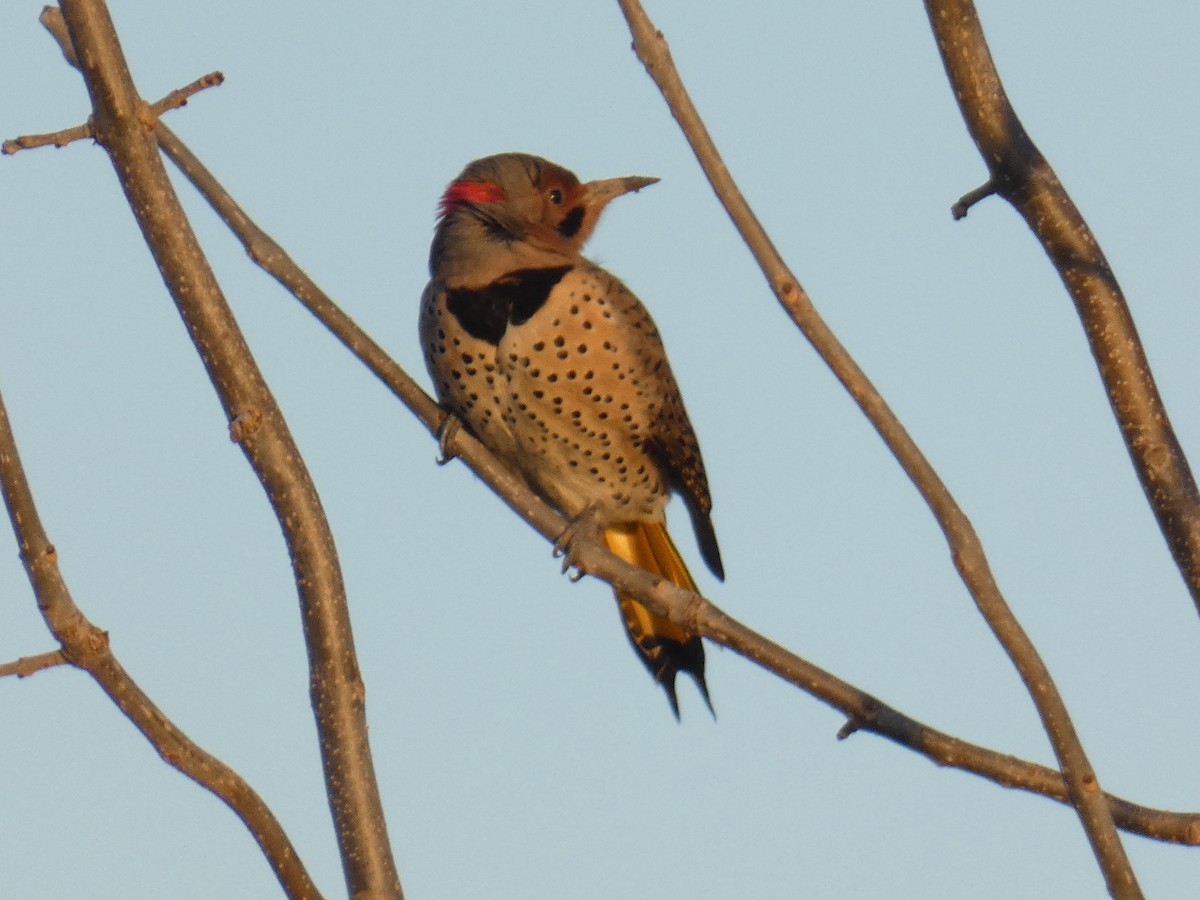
{"x": 556, "y": 196}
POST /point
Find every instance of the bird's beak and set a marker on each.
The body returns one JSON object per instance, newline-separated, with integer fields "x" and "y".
{"x": 598, "y": 193}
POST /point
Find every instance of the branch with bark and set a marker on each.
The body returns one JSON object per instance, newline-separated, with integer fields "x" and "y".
{"x": 864, "y": 711}
{"x": 965, "y": 548}
{"x": 86, "y": 647}
{"x": 128, "y": 129}
{"x": 1020, "y": 174}
{"x": 123, "y": 124}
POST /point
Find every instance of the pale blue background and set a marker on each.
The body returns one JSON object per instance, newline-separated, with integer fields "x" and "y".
{"x": 522, "y": 750}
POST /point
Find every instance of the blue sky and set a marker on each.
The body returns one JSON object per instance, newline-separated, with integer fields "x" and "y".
{"x": 522, "y": 750}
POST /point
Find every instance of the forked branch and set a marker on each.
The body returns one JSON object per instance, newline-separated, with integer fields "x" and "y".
{"x": 864, "y": 711}
{"x": 1020, "y": 174}
{"x": 124, "y": 126}
{"x": 86, "y": 647}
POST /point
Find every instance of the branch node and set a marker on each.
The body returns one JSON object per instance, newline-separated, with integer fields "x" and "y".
{"x": 786, "y": 289}
{"x": 245, "y": 423}
{"x": 83, "y": 644}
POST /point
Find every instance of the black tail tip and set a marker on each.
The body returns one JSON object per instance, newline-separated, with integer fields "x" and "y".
{"x": 668, "y": 686}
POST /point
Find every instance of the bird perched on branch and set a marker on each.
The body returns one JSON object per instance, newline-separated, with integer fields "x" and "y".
{"x": 557, "y": 368}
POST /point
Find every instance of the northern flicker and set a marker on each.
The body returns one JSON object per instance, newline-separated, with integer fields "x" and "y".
{"x": 559, "y": 370}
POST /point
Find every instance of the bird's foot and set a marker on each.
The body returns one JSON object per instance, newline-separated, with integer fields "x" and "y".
{"x": 585, "y": 525}
{"x": 446, "y": 434}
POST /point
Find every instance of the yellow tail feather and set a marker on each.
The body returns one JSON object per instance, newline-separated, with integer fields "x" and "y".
{"x": 663, "y": 646}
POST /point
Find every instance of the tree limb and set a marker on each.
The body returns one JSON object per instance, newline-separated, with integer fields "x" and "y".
{"x": 85, "y": 646}
{"x": 865, "y": 711}
{"x": 124, "y": 128}
{"x": 965, "y": 547}
{"x": 1021, "y": 175}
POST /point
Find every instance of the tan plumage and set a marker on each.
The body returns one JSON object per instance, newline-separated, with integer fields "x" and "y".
{"x": 558, "y": 368}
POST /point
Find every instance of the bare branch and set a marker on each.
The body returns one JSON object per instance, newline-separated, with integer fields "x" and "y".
{"x": 87, "y": 647}
{"x": 865, "y": 711}
{"x": 966, "y": 549}
{"x": 180, "y": 96}
{"x": 173, "y": 100}
{"x": 53, "y": 139}
{"x": 125, "y": 131}
{"x": 964, "y": 203}
{"x": 1021, "y": 175}
{"x": 28, "y": 665}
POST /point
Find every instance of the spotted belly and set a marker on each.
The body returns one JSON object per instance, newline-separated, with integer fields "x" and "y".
{"x": 580, "y": 403}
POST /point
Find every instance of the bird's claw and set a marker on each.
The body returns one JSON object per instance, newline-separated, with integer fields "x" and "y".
{"x": 585, "y": 525}
{"x": 446, "y": 434}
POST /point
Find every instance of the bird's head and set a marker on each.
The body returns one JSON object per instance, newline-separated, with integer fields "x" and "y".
{"x": 524, "y": 205}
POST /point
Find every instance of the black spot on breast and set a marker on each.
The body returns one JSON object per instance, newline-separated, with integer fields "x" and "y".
{"x": 572, "y": 222}
{"x": 485, "y": 312}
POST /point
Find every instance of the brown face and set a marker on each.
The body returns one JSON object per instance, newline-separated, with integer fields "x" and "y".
{"x": 572, "y": 209}
{"x": 564, "y": 206}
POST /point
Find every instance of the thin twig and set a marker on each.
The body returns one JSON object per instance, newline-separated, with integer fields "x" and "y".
{"x": 180, "y": 96}
{"x": 335, "y": 681}
{"x": 1021, "y": 174}
{"x": 53, "y": 139}
{"x": 869, "y": 713}
{"x": 28, "y": 665}
{"x": 966, "y": 549}
{"x": 173, "y": 100}
{"x": 964, "y": 203}
{"x": 87, "y": 647}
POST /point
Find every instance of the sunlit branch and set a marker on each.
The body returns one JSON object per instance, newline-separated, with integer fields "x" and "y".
{"x": 965, "y": 546}
{"x": 1021, "y": 174}
{"x": 124, "y": 128}
{"x": 863, "y": 711}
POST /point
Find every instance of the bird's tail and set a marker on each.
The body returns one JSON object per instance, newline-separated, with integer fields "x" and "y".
{"x": 664, "y": 647}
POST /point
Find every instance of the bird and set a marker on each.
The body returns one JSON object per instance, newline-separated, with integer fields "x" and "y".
{"x": 559, "y": 370}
